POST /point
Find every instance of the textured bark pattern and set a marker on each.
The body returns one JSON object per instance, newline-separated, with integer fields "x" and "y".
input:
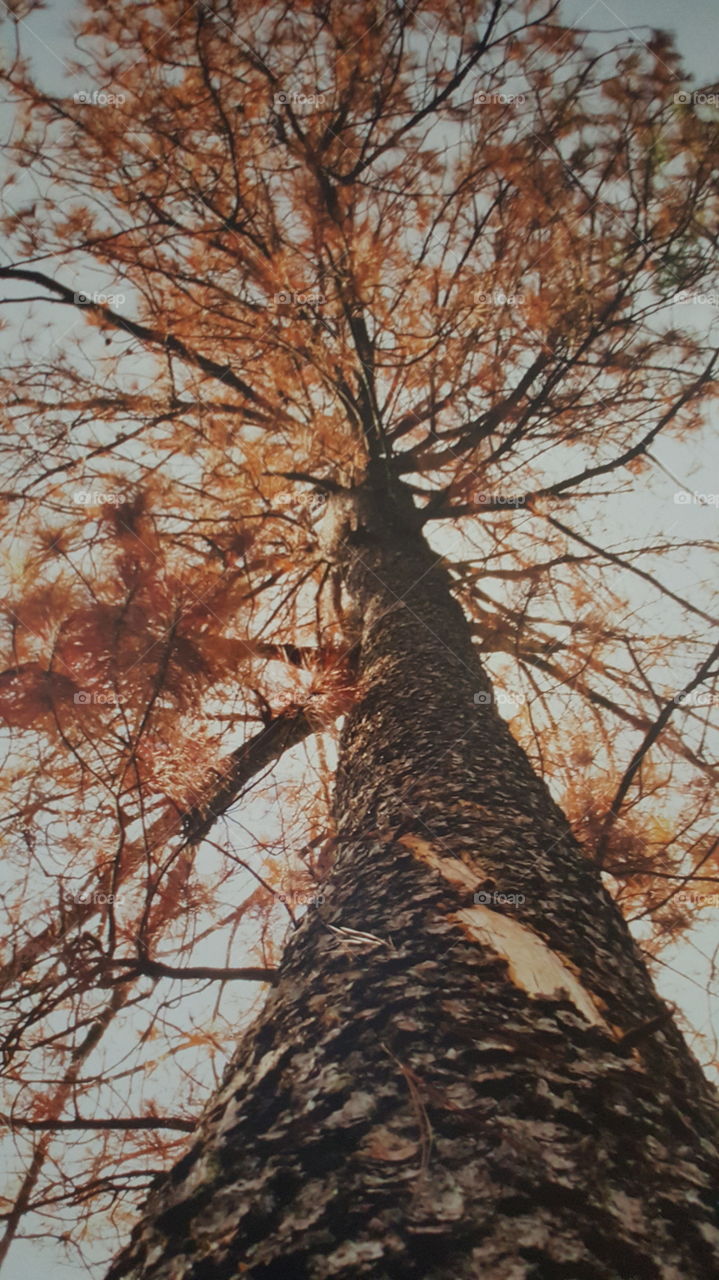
{"x": 444, "y": 1087}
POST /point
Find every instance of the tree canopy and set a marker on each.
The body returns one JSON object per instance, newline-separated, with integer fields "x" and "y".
{"x": 251, "y": 252}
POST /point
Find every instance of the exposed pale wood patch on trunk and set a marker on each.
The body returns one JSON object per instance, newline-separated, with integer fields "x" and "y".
{"x": 452, "y": 869}
{"x": 532, "y": 964}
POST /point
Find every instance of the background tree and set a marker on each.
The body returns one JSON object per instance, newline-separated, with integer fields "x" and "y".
{"x": 431, "y": 250}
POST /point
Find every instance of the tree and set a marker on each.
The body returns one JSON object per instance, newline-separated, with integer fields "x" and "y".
{"x": 372, "y": 304}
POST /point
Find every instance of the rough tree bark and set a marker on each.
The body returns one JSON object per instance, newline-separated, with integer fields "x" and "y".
{"x": 464, "y": 1069}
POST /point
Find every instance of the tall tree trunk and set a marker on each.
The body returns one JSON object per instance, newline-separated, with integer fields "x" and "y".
{"x": 464, "y": 1070}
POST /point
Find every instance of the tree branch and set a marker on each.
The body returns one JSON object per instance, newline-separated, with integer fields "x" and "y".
{"x": 119, "y": 1122}
{"x": 264, "y": 413}
{"x": 145, "y": 967}
{"x": 284, "y": 731}
{"x": 649, "y": 739}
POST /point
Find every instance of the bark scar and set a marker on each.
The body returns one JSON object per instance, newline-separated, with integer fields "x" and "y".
{"x": 532, "y": 963}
